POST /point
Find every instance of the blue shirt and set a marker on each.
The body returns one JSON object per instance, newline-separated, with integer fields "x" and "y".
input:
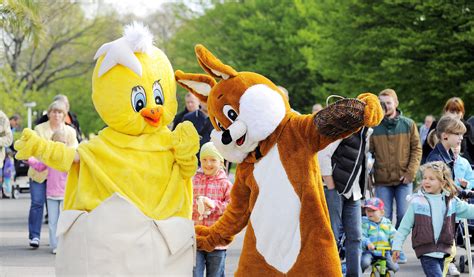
{"x": 463, "y": 169}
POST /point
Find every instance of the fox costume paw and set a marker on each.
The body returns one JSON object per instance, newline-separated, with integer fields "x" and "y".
{"x": 208, "y": 240}
{"x": 373, "y": 113}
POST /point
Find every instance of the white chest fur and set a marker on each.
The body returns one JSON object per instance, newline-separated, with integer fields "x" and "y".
{"x": 276, "y": 215}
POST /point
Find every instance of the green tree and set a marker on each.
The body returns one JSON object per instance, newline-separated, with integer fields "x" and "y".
{"x": 260, "y": 36}
{"x": 423, "y": 50}
{"x": 61, "y": 61}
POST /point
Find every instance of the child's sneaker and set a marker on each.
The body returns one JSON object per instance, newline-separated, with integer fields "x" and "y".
{"x": 344, "y": 269}
{"x": 35, "y": 242}
{"x": 54, "y": 251}
{"x": 452, "y": 270}
{"x": 403, "y": 259}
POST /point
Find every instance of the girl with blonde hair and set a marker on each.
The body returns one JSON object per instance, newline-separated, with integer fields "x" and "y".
{"x": 431, "y": 218}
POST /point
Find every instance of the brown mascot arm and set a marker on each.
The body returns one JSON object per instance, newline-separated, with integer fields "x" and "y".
{"x": 339, "y": 120}
{"x": 233, "y": 220}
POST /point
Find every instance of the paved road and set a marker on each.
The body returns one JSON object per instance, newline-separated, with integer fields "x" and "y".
{"x": 17, "y": 258}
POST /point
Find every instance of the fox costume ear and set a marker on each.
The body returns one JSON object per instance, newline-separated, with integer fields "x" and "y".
{"x": 213, "y": 65}
{"x": 198, "y": 84}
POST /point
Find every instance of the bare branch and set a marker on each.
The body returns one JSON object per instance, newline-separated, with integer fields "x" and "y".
{"x": 46, "y": 83}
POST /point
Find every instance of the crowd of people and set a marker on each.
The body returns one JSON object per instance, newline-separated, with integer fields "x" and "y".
{"x": 379, "y": 165}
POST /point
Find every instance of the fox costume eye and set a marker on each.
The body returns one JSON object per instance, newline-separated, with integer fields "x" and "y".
{"x": 220, "y": 125}
{"x": 230, "y": 113}
{"x": 158, "y": 93}
{"x": 138, "y": 98}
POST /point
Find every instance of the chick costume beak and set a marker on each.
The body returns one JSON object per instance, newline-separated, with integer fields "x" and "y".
{"x": 152, "y": 115}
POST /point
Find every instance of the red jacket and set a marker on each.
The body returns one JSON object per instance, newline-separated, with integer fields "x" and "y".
{"x": 215, "y": 187}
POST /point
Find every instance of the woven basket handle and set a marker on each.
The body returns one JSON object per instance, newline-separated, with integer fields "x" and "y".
{"x": 332, "y": 96}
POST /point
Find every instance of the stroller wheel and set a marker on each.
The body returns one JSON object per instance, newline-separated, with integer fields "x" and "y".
{"x": 15, "y": 193}
{"x": 462, "y": 264}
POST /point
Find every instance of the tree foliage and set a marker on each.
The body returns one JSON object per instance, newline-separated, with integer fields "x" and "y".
{"x": 260, "y": 36}
{"x": 60, "y": 61}
{"x": 423, "y": 50}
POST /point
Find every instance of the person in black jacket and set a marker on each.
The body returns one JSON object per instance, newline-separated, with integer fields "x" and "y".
{"x": 343, "y": 165}
{"x": 454, "y": 107}
{"x": 191, "y": 105}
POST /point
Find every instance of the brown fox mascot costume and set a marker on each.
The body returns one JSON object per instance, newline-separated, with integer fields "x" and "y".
{"x": 278, "y": 193}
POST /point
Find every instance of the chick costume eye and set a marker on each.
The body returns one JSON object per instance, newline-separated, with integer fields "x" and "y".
{"x": 158, "y": 93}
{"x": 230, "y": 113}
{"x": 138, "y": 98}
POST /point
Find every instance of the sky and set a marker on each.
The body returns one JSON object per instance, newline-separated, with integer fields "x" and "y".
{"x": 140, "y": 8}
{"x": 137, "y": 7}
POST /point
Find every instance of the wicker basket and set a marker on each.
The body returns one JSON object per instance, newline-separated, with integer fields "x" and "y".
{"x": 339, "y": 117}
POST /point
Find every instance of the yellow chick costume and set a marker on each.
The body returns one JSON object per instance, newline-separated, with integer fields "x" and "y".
{"x": 128, "y": 201}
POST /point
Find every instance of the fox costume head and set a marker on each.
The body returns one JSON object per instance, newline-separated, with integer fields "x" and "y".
{"x": 244, "y": 107}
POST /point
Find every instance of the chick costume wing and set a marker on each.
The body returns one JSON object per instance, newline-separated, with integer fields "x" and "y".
{"x": 128, "y": 202}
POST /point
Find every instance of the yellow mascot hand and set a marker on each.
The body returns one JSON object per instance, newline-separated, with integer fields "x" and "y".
{"x": 29, "y": 145}
{"x": 54, "y": 154}
{"x": 186, "y": 145}
{"x": 373, "y": 113}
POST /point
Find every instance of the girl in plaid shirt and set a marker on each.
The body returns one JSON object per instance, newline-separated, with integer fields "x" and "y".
{"x": 211, "y": 196}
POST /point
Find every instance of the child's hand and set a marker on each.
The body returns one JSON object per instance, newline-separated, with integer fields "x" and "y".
{"x": 209, "y": 203}
{"x": 395, "y": 255}
{"x": 463, "y": 183}
{"x": 371, "y": 246}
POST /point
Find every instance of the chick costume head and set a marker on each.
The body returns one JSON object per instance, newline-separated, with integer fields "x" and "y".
{"x": 133, "y": 86}
{"x": 136, "y": 156}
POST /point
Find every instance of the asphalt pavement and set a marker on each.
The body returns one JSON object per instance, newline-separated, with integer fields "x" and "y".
{"x": 18, "y": 259}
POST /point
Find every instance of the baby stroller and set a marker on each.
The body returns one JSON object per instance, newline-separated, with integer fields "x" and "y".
{"x": 22, "y": 182}
{"x": 463, "y": 237}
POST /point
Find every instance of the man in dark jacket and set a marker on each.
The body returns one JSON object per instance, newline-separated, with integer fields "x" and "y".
{"x": 191, "y": 105}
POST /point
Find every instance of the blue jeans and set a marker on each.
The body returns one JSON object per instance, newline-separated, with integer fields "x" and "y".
{"x": 432, "y": 267}
{"x": 54, "y": 209}
{"x": 346, "y": 213}
{"x": 368, "y": 258}
{"x": 213, "y": 262}
{"x": 35, "y": 218}
{"x": 7, "y": 185}
{"x": 400, "y": 193}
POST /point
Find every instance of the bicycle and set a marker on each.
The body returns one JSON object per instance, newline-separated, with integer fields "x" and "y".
{"x": 379, "y": 265}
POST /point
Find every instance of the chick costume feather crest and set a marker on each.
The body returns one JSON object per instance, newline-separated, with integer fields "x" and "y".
{"x": 278, "y": 191}
{"x": 128, "y": 201}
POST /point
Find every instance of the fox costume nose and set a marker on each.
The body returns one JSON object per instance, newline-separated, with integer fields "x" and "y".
{"x": 226, "y": 137}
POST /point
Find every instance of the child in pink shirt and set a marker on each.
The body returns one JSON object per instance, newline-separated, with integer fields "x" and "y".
{"x": 211, "y": 196}
{"x": 55, "y": 186}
